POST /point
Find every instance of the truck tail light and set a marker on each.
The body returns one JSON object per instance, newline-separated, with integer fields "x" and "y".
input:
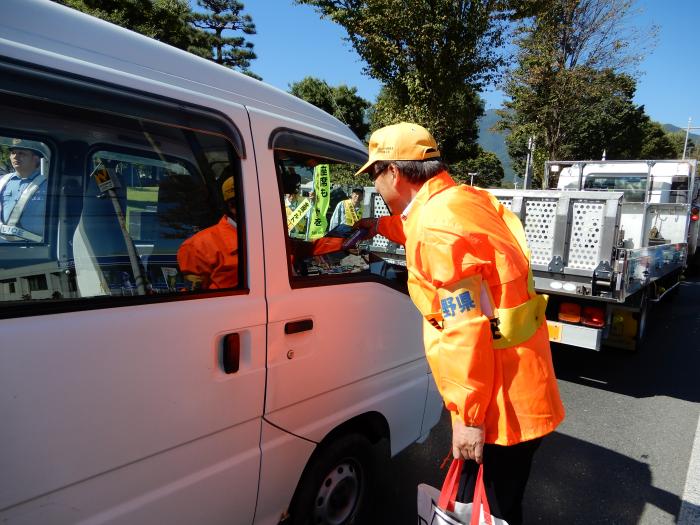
{"x": 569, "y": 312}
{"x": 593, "y": 316}
{"x": 694, "y": 213}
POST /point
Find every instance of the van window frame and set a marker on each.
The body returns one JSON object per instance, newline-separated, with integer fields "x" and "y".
{"x": 306, "y": 144}
{"x": 32, "y": 81}
{"x": 297, "y": 142}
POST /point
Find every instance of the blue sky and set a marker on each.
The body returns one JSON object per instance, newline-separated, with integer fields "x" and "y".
{"x": 292, "y": 42}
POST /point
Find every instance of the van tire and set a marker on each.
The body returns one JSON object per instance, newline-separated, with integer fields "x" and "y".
{"x": 337, "y": 485}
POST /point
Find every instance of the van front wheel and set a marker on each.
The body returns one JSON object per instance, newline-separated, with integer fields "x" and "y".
{"x": 335, "y": 487}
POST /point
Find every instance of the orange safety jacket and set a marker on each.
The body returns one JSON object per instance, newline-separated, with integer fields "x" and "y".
{"x": 212, "y": 255}
{"x": 464, "y": 265}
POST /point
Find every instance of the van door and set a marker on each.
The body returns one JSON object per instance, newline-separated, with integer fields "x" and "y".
{"x": 339, "y": 319}
{"x": 345, "y": 360}
{"x": 132, "y": 367}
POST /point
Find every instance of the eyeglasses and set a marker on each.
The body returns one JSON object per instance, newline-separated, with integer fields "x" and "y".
{"x": 378, "y": 169}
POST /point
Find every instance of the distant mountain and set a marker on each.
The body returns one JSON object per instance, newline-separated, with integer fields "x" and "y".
{"x": 670, "y": 127}
{"x": 495, "y": 142}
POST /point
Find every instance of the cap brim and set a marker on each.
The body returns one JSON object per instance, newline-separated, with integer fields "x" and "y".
{"x": 364, "y": 168}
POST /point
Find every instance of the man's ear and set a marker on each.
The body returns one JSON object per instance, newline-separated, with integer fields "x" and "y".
{"x": 396, "y": 178}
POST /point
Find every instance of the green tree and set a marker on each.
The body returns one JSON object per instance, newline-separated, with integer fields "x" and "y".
{"x": 342, "y": 102}
{"x": 225, "y": 16}
{"x": 433, "y": 59}
{"x": 163, "y": 20}
{"x": 486, "y": 167}
{"x": 656, "y": 143}
{"x": 569, "y": 89}
{"x": 677, "y": 139}
{"x": 344, "y": 175}
{"x": 173, "y": 22}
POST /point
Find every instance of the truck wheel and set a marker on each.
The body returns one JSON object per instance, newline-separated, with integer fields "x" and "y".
{"x": 336, "y": 486}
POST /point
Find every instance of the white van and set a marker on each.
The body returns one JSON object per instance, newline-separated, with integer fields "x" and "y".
{"x": 128, "y": 395}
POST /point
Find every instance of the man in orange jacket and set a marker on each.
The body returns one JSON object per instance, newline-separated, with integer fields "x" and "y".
{"x": 485, "y": 333}
{"x": 209, "y": 259}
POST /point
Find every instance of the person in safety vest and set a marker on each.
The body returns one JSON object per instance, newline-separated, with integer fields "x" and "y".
{"x": 485, "y": 332}
{"x": 23, "y": 193}
{"x": 348, "y": 211}
{"x": 209, "y": 259}
{"x": 297, "y": 207}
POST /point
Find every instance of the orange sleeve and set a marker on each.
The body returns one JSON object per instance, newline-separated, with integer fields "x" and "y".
{"x": 464, "y": 351}
{"x": 326, "y": 245}
{"x": 391, "y": 227}
{"x": 189, "y": 259}
{"x": 304, "y": 249}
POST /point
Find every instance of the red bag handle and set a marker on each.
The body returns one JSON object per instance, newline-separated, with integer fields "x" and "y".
{"x": 448, "y": 494}
{"x": 480, "y": 500}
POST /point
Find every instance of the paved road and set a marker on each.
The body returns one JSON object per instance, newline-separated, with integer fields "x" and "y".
{"x": 621, "y": 456}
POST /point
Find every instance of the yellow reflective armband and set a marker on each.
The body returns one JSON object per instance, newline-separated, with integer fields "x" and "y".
{"x": 518, "y": 324}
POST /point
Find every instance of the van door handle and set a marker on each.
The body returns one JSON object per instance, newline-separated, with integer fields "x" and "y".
{"x": 294, "y": 327}
{"x": 231, "y": 355}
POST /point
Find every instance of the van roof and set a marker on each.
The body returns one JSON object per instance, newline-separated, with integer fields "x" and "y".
{"x": 44, "y": 33}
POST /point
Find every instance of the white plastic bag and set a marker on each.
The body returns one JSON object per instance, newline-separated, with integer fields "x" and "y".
{"x": 440, "y": 508}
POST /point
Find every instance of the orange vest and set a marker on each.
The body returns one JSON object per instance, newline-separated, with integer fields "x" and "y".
{"x": 212, "y": 255}
{"x": 464, "y": 264}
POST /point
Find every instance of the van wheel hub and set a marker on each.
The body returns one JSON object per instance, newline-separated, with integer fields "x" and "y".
{"x": 338, "y": 495}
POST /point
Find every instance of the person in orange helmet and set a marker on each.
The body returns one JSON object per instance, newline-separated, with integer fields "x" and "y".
{"x": 485, "y": 333}
{"x": 209, "y": 259}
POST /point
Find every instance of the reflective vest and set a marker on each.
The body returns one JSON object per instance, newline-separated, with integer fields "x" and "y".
{"x": 485, "y": 334}
{"x": 297, "y": 212}
{"x": 351, "y": 215}
{"x": 10, "y": 229}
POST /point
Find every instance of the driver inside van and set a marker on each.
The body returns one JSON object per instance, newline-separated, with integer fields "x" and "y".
{"x": 23, "y": 193}
{"x": 209, "y": 259}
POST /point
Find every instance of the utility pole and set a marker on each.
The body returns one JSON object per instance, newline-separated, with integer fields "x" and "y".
{"x": 528, "y": 163}
{"x": 687, "y": 134}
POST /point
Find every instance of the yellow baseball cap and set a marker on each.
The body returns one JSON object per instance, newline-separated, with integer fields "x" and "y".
{"x": 402, "y": 141}
{"x": 227, "y": 189}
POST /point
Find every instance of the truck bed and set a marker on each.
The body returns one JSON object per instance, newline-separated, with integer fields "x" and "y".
{"x": 592, "y": 244}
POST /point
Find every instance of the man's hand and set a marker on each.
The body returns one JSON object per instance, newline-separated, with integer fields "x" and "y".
{"x": 467, "y": 442}
{"x": 368, "y": 224}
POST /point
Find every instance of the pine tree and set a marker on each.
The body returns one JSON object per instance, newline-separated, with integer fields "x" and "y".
{"x": 222, "y": 16}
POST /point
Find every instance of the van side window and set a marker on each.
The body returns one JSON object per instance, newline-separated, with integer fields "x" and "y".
{"x": 125, "y": 208}
{"x": 319, "y": 205}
